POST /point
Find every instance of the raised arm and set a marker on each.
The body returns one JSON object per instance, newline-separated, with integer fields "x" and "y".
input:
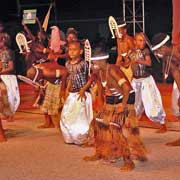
{"x": 29, "y": 33}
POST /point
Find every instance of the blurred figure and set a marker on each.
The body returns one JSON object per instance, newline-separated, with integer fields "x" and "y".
{"x": 9, "y": 91}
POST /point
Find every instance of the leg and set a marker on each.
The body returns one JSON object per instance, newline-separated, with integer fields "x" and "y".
{"x": 162, "y": 129}
{"x": 2, "y": 135}
{"x": 48, "y": 122}
{"x": 56, "y": 119}
{"x": 174, "y": 143}
{"x": 128, "y": 164}
{"x": 94, "y": 157}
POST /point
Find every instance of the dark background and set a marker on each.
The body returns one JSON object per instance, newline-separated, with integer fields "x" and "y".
{"x": 90, "y": 18}
{"x": 158, "y": 13}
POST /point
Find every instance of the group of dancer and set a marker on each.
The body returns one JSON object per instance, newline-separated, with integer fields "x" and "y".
{"x": 93, "y": 102}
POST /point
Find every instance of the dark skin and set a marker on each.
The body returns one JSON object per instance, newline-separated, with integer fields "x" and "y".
{"x": 175, "y": 62}
{"x": 124, "y": 44}
{"x": 165, "y": 51}
{"x": 48, "y": 72}
{"x": 111, "y": 74}
{"x": 7, "y": 70}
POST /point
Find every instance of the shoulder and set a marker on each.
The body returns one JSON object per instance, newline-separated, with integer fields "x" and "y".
{"x": 112, "y": 68}
{"x": 146, "y": 51}
{"x": 130, "y": 38}
{"x": 67, "y": 63}
{"x": 83, "y": 62}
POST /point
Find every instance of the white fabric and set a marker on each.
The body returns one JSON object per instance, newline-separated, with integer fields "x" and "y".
{"x": 174, "y": 100}
{"x": 76, "y": 117}
{"x": 12, "y": 90}
{"x": 148, "y": 99}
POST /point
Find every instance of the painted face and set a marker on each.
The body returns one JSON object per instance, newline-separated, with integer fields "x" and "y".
{"x": 161, "y": 52}
{"x": 98, "y": 65}
{"x": 94, "y": 66}
{"x": 122, "y": 32}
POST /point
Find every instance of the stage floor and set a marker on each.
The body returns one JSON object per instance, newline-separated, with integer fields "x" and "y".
{"x": 29, "y": 93}
{"x": 41, "y": 154}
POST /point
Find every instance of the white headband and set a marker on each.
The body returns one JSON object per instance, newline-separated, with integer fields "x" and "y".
{"x": 99, "y": 58}
{"x": 121, "y": 25}
{"x": 161, "y": 43}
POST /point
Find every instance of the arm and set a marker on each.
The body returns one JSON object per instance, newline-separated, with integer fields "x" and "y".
{"x": 119, "y": 56}
{"x": 39, "y": 24}
{"x": 8, "y": 69}
{"x": 63, "y": 84}
{"x": 122, "y": 81}
{"x": 67, "y": 88}
{"x": 147, "y": 61}
{"x": 86, "y": 87}
{"x": 29, "y": 33}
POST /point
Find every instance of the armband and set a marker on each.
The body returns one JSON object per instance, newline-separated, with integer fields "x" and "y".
{"x": 121, "y": 81}
{"x": 45, "y": 50}
{"x": 57, "y": 73}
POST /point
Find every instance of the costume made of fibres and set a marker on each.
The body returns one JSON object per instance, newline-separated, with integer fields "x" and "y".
{"x": 116, "y": 133}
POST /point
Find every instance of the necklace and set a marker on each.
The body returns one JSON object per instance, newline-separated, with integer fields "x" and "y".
{"x": 104, "y": 80}
{"x": 168, "y": 64}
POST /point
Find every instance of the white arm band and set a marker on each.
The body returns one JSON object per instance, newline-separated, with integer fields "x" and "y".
{"x": 121, "y": 81}
{"x": 44, "y": 50}
{"x": 57, "y": 73}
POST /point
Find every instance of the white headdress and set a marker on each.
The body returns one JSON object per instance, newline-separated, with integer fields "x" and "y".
{"x": 113, "y": 27}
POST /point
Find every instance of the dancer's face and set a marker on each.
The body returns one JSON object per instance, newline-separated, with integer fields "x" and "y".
{"x": 74, "y": 50}
{"x": 71, "y": 37}
{"x": 161, "y": 52}
{"x": 122, "y": 32}
{"x": 140, "y": 41}
{"x": 98, "y": 65}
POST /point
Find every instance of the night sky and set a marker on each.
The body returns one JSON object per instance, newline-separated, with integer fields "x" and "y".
{"x": 158, "y": 16}
{"x": 158, "y": 13}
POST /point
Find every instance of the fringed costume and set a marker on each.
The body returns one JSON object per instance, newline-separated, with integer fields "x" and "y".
{"x": 117, "y": 134}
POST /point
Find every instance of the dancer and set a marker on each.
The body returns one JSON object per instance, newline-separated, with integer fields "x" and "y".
{"x": 117, "y": 109}
{"x": 9, "y": 91}
{"x": 125, "y": 43}
{"x": 148, "y": 97}
{"x": 77, "y": 113}
{"x": 53, "y": 92}
{"x": 163, "y": 48}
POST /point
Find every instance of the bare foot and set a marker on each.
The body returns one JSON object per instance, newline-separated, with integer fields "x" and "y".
{"x": 92, "y": 158}
{"x": 10, "y": 119}
{"x": 87, "y": 145}
{"x": 162, "y": 129}
{"x": 2, "y": 138}
{"x": 128, "y": 166}
{"x": 142, "y": 158}
{"x": 174, "y": 143}
{"x": 43, "y": 126}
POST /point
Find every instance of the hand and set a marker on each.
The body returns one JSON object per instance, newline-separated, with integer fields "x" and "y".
{"x": 136, "y": 61}
{"x": 178, "y": 102}
{"x": 62, "y": 94}
{"x": 82, "y": 95}
{"x": 66, "y": 94}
